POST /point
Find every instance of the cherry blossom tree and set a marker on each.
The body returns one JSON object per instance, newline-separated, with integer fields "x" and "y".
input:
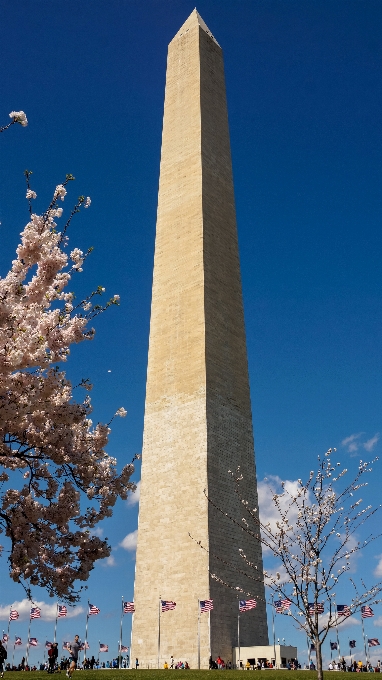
{"x": 315, "y": 538}
{"x": 56, "y": 479}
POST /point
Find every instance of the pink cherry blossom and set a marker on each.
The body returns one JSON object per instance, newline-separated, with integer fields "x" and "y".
{"x": 45, "y": 434}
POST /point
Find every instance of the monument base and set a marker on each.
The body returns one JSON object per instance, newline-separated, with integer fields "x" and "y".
{"x": 278, "y": 655}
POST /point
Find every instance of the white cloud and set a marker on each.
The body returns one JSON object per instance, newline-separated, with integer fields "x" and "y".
{"x": 130, "y": 541}
{"x": 109, "y": 561}
{"x": 134, "y": 496}
{"x": 96, "y": 532}
{"x": 351, "y": 442}
{"x": 268, "y": 510}
{"x": 272, "y": 573}
{"x": 378, "y": 568}
{"x": 48, "y": 611}
{"x": 369, "y": 445}
{"x": 343, "y": 621}
{"x": 378, "y": 622}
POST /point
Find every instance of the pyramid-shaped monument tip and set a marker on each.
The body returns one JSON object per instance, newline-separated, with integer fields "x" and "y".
{"x": 195, "y": 20}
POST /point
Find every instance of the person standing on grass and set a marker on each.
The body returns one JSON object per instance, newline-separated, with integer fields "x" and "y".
{"x": 74, "y": 649}
{"x": 53, "y": 655}
{"x": 3, "y": 656}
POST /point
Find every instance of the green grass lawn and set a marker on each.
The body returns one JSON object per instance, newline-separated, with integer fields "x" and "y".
{"x": 175, "y": 675}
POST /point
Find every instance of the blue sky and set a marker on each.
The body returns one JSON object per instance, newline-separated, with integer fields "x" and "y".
{"x": 304, "y": 97}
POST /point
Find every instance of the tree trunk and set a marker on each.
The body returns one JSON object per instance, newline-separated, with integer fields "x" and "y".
{"x": 320, "y": 674}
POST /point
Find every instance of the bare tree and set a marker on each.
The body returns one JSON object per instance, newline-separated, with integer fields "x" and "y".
{"x": 315, "y": 538}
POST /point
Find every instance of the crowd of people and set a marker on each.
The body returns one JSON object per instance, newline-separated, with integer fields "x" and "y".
{"x": 354, "y": 667}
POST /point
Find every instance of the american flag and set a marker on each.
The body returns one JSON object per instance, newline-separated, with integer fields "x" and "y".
{"x": 282, "y": 605}
{"x": 245, "y": 605}
{"x": 124, "y": 649}
{"x": 48, "y": 644}
{"x": 313, "y": 608}
{"x": 93, "y": 609}
{"x": 5, "y": 637}
{"x": 33, "y": 642}
{"x": 373, "y": 642}
{"x": 84, "y": 645}
{"x": 167, "y": 605}
{"x": 343, "y": 610}
{"x": 35, "y": 613}
{"x": 13, "y": 615}
{"x": 333, "y": 645}
{"x": 62, "y": 610}
{"x": 352, "y": 644}
{"x": 103, "y": 648}
{"x": 366, "y": 612}
{"x": 128, "y": 608}
{"x": 18, "y": 640}
{"x": 206, "y": 605}
{"x": 312, "y": 647}
{"x": 66, "y": 645}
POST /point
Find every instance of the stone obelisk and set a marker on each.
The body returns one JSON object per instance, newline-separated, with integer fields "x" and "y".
{"x": 198, "y": 422}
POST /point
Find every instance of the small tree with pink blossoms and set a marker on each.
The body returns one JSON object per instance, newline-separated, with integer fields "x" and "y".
{"x": 314, "y": 539}
{"x": 51, "y": 455}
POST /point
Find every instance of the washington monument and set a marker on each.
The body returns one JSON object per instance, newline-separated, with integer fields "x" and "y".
{"x": 198, "y": 422}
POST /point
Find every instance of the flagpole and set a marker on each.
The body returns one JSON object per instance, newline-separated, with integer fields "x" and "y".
{"x": 160, "y": 602}
{"x": 351, "y": 654}
{"x": 309, "y": 650}
{"x": 273, "y": 626}
{"x": 55, "y": 625}
{"x": 120, "y": 639}
{"x": 86, "y": 631}
{"x": 131, "y": 640}
{"x": 13, "y": 653}
{"x": 338, "y": 644}
{"x": 209, "y": 635}
{"x": 9, "y": 624}
{"x": 364, "y": 639}
{"x": 27, "y": 652}
{"x": 238, "y": 635}
{"x": 198, "y": 634}
{"x": 338, "y": 640}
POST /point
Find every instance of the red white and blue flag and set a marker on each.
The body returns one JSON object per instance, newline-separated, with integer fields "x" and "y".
{"x": 18, "y": 640}
{"x": 366, "y": 612}
{"x": 5, "y": 637}
{"x": 167, "y": 605}
{"x": 333, "y": 645}
{"x": 316, "y": 607}
{"x": 282, "y": 605}
{"x": 124, "y": 649}
{"x": 103, "y": 648}
{"x": 93, "y": 609}
{"x": 84, "y": 645}
{"x": 128, "y": 608}
{"x": 48, "y": 644}
{"x": 373, "y": 642}
{"x": 206, "y": 605}
{"x": 13, "y": 615}
{"x": 245, "y": 605}
{"x": 35, "y": 613}
{"x": 33, "y": 642}
{"x": 352, "y": 644}
{"x": 62, "y": 610}
{"x": 66, "y": 645}
{"x": 343, "y": 610}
